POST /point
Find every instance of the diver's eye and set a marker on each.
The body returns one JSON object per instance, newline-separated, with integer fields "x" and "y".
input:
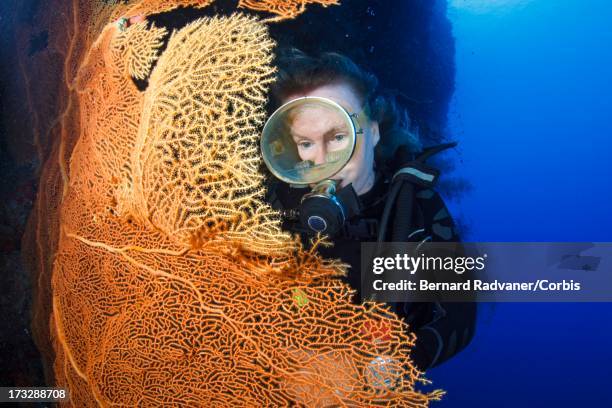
{"x": 338, "y": 138}
{"x": 304, "y": 145}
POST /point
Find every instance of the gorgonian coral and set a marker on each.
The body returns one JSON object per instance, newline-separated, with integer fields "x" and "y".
{"x": 171, "y": 281}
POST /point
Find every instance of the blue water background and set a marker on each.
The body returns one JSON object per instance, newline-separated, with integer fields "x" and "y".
{"x": 533, "y": 113}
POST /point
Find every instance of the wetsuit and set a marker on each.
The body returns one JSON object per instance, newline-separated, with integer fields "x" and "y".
{"x": 442, "y": 329}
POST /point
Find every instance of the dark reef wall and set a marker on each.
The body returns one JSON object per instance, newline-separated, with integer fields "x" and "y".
{"x": 408, "y": 44}
{"x": 19, "y": 165}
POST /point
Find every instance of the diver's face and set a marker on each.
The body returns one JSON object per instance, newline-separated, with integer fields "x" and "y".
{"x": 317, "y": 132}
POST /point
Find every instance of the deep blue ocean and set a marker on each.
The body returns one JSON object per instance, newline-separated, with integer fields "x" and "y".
{"x": 532, "y": 111}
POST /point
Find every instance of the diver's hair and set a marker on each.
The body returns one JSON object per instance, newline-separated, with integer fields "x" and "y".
{"x": 299, "y": 73}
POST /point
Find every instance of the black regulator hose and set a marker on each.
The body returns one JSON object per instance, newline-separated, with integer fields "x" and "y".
{"x": 430, "y": 151}
{"x": 402, "y": 222}
{"x": 384, "y": 221}
{"x": 404, "y": 193}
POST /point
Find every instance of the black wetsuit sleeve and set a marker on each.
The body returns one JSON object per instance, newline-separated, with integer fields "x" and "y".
{"x": 443, "y": 329}
{"x": 449, "y": 331}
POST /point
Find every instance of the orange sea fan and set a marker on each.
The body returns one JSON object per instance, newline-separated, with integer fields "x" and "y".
{"x": 284, "y": 9}
{"x": 170, "y": 280}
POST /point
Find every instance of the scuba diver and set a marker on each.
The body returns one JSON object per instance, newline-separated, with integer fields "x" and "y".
{"x": 347, "y": 164}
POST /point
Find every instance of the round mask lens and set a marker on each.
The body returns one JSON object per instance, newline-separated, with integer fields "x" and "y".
{"x": 307, "y": 140}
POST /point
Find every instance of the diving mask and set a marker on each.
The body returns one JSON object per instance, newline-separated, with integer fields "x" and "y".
{"x": 307, "y": 141}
